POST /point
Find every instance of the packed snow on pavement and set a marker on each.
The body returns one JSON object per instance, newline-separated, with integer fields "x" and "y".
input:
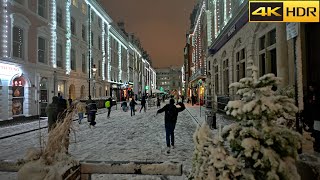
{"x": 120, "y": 138}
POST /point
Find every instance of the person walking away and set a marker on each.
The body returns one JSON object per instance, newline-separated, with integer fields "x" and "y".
{"x": 163, "y": 98}
{"x": 52, "y": 113}
{"x": 132, "y": 106}
{"x": 124, "y": 106}
{"x": 108, "y": 106}
{"x": 170, "y": 120}
{"x": 182, "y": 98}
{"x": 158, "y": 102}
{"x": 143, "y": 103}
{"x": 62, "y": 108}
{"x": 193, "y": 99}
{"x": 81, "y": 109}
{"x": 91, "y": 111}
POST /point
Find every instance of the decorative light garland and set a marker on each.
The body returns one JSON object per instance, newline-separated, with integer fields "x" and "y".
{"x": 68, "y": 36}
{"x": 53, "y": 27}
{"x": 103, "y": 51}
{"x": 109, "y": 58}
{"x": 120, "y": 61}
{"x": 5, "y": 28}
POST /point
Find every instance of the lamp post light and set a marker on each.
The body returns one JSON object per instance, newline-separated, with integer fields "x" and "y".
{"x": 94, "y": 71}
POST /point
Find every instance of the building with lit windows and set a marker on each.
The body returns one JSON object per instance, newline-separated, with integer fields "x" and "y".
{"x": 169, "y": 80}
{"x": 233, "y": 42}
{"x": 72, "y": 48}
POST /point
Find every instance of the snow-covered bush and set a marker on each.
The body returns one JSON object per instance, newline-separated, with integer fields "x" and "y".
{"x": 259, "y": 146}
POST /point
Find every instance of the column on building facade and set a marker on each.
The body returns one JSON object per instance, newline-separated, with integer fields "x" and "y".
{"x": 282, "y": 53}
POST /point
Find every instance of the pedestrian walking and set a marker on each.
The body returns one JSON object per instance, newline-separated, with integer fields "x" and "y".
{"x": 193, "y": 99}
{"x": 182, "y": 98}
{"x": 170, "y": 120}
{"x": 143, "y": 103}
{"x": 158, "y": 102}
{"x": 91, "y": 111}
{"x": 124, "y": 106}
{"x": 62, "y": 108}
{"x": 163, "y": 98}
{"x": 108, "y": 105}
{"x": 81, "y": 109}
{"x": 52, "y": 113}
{"x": 132, "y": 106}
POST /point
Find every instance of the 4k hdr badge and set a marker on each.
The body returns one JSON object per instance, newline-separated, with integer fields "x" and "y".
{"x": 284, "y": 11}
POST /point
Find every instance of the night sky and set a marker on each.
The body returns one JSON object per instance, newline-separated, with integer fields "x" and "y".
{"x": 161, "y": 26}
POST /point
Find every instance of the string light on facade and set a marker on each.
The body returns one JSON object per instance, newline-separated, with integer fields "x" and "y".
{"x": 68, "y": 36}
{"x": 5, "y": 28}
{"x": 120, "y": 61}
{"x": 53, "y": 27}
{"x": 103, "y": 51}
{"x": 109, "y": 58}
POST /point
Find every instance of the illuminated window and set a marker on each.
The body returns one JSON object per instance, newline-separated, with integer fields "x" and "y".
{"x": 17, "y": 44}
{"x": 75, "y": 3}
{"x": 42, "y": 54}
{"x": 84, "y": 8}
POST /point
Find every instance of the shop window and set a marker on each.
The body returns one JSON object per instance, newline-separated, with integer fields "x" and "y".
{"x": 17, "y": 96}
{"x": 59, "y": 17}
{"x": 59, "y": 56}
{"x": 73, "y": 59}
{"x": 42, "y": 8}
{"x": 17, "y": 44}
{"x": 42, "y": 57}
{"x": 73, "y": 26}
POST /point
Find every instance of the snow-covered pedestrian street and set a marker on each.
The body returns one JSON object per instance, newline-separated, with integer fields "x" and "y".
{"x": 121, "y": 138}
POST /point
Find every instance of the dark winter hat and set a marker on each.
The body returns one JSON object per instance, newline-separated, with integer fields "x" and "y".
{"x": 171, "y": 101}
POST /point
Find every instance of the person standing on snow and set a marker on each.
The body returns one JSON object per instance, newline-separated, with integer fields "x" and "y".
{"x": 158, "y": 102}
{"x": 52, "y": 113}
{"x": 81, "y": 109}
{"x": 91, "y": 111}
{"x": 108, "y": 105}
{"x": 132, "y": 106}
{"x": 143, "y": 103}
{"x": 170, "y": 120}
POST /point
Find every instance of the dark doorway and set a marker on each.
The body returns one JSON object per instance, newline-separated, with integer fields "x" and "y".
{"x": 312, "y": 31}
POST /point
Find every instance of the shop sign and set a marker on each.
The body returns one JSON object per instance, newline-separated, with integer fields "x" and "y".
{"x": 9, "y": 70}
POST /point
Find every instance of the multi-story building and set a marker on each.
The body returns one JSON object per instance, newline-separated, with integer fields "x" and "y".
{"x": 169, "y": 80}
{"x": 234, "y": 42}
{"x": 71, "y": 48}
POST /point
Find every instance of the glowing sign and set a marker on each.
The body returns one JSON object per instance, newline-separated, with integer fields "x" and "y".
{"x": 9, "y": 70}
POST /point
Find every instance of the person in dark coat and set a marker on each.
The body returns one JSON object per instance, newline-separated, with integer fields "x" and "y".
{"x": 132, "y": 106}
{"x": 62, "y": 107}
{"x": 143, "y": 103}
{"x": 91, "y": 111}
{"x": 124, "y": 106}
{"x": 158, "y": 102}
{"x": 193, "y": 99}
{"x": 52, "y": 113}
{"x": 170, "y": 120}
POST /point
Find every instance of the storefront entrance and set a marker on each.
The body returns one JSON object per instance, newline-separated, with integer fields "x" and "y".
{"x": 312, "y": 42}
{"x": 18, "y": 93}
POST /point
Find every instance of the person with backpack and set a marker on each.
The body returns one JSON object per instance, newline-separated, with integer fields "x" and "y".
{"x": 143, "y": 103}
{"x": 91, "y": 111}
{"x": 170, "y": 121}
{"x": 132, "y": 106}
{"x": 108, "y": 105}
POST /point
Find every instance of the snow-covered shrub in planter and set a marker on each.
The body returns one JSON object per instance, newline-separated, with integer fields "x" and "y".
{"x": 258, "y": 145}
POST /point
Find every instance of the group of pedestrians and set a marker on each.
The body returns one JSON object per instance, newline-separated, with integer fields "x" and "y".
{"x": 56, "y": 111}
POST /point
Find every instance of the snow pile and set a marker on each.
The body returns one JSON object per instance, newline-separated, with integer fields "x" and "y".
{"x": 52, "y": 162}
{"x": 257, "y": 146}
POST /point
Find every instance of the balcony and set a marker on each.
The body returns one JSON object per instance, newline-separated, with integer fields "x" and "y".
{"x": 198, "y": 74}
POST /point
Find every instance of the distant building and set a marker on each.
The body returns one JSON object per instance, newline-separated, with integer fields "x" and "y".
{"x": 170, "y": 80}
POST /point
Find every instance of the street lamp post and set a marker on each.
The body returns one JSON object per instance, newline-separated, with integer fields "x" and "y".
{"x": 93, "y": 70}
